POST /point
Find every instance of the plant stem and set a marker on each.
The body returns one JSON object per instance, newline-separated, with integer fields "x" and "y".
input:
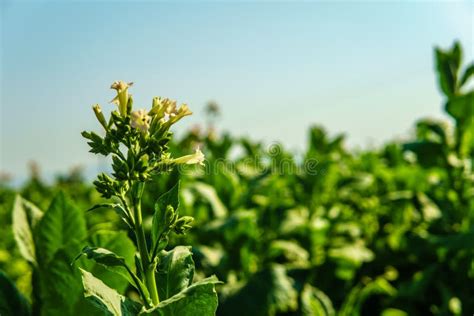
{"x": 147, "y": 266}
{"x": 151, "y": 283}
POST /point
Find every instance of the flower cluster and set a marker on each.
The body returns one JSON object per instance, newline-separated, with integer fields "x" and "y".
{"x": 144, "y": 134}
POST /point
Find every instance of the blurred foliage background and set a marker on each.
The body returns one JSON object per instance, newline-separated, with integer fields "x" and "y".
{"x": 386, "y": 231}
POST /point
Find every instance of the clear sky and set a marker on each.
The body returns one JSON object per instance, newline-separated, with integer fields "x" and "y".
{"x": 363, "y": 68}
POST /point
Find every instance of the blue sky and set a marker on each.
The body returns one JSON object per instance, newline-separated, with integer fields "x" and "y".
{"x": 363, "y": 68}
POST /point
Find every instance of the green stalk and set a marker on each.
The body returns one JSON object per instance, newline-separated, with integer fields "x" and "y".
{"x": 151, "y": 283}
{"x": 148, "y": 267}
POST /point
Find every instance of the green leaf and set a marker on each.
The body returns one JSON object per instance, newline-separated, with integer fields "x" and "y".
{"x": 25, "y": 217}
{"x": 12, "y": 302}
{"x": 354, "y": 254}
{"x": 393, "y": 312}
{"x": 61, "y": 287}
{"x": 428, "y": 154}
{"x": 468, "y": 73}
{"x": 240, "y": 224}
{"x": 175, "y": 271}
{"x": 198, "y": 299}
{"x": 267, "y": 292}
{"x": 210, "y": 195}
{"x": 116, "y": 264}
{"x": 349, "y": 257}
{"x": 429, "y": 208}
{"x": 288, "y": 251}
{"x": 119, "y": 243}
{"x": 107, "y": 299}
{"x": 354, "y": 301}
{"x": 208, "y": 257}
{"x": 461, "y": 107}
{"x": 432, "y": 130}
{"x": 61, "y": 225}
{"x": 108, "y": 259}
{"x": 159, "y": 218}
{"x": 314, "y": 303}
{"x": 102, "y": 256}
{"x": 447, "y": 65}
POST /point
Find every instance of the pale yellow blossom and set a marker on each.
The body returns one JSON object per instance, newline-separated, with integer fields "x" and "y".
{"x": 162, "y": 106}
{"x": 140, "y": 120}
{"x": 177, "y": 114}
{"x": 121, "y": 100}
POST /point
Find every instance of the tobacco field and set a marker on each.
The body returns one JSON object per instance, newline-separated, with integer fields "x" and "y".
{"x": 238, "y": 227}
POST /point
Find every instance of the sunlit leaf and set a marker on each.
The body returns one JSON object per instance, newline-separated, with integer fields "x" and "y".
{"x": 61, "y": 225}
{"x": 25, "y": 218}
{"x": 198, "y": 299}
{"x": 107, "y": 299}
{"x": 175, "y": 271}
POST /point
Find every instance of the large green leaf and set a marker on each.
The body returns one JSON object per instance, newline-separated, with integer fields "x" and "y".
{"x": 25, "y": 217}
{"x": 12, "y": 302}
{"x": 107, "y": 299}
{"x": 61, "y": 225}
{"x": 60, "y": 283}
{"x": 175, "y": 271}
{"x": 169, "y": 198}
{"x": 198, "y": 299}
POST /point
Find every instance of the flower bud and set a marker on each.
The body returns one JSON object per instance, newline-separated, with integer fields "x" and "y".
{"x": 100, "y": 116}
{"x": 156, "y": 102}
{"x": 105, "y": 185}
{"x": 142, "y": 164}
{"x": 196, "y": 158}
{"x": 183, "y": 224}
{"x": 170, "y": 217}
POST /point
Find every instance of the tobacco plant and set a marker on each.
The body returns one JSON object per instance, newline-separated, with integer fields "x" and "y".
{"x": 137, "y": 142}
